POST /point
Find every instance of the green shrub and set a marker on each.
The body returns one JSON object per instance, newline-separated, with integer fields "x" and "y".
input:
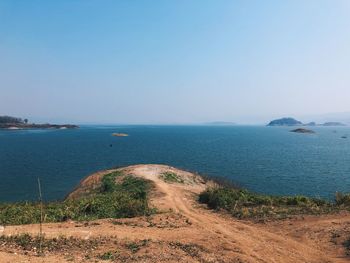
{"x": 129, "y": 198}
{"x": 244, "y": 204}
{"x": 108, "y": 181}
{"x": 342, "y": 199}
{"x": 171, "y": 177}
{"x": 136, "y": 246}
{"x": 107, "y": 256}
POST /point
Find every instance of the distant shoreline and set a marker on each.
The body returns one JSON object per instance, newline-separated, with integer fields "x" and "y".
{"x": 15, "y": 123}
{"x": 22, "y": 126}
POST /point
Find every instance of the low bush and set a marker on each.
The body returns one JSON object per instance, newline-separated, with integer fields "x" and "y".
{"x": 342, "y": 199}
{"x": 346, "y": 245}
{"x": 109, "y": 255}
{"x": 245, "y": 204}
{"x": 171, "y": 177}
{"x": 108, "y": 181}
{"x": 128, "y": 198}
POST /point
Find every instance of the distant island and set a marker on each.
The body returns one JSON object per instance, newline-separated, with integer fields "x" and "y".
{"x": 301, "y": 130}
{"x": 221, "y": 123}
{"x": 293, "y": 122}
{"x": 333, "y": 124}
{"x": 120, "y": 134}
{"x": 311, "y": 124}
{"x": 14, "y": 123}
{"x": 285, "y": 122}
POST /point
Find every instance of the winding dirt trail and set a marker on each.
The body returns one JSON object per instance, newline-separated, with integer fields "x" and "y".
{"x": 244, "y": 241}
{"x": 220, "y": 237}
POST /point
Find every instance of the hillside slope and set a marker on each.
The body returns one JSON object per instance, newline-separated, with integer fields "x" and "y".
{"x": 185, "y": 231}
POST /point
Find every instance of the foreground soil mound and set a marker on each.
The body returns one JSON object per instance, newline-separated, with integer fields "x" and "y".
{"x": 182, "y": 230}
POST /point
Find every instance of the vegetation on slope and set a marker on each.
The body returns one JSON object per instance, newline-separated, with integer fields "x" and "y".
{"x": 244, "y": 204}
{"x": 126, "y": 198}
{"x": 29, "y": 243}
{"x": 171, "y": 177}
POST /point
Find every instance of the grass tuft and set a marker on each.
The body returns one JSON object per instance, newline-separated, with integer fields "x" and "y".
{"x": 342, "y": 199}
{"x": 136, "y": 246}
{"x": 346, "y": 245}
{"x": 109, "y": 255}
{"x": 191, "y": 249}
{"x": 27, "y": 242}
{"x": 171, "y": 177}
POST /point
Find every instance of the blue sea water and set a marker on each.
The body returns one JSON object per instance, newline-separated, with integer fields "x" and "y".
{"x": 263, "y": 159}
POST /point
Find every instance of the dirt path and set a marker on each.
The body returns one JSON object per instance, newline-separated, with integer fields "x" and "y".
{"x": 250, "y": 243}
{"x": 219, "y": 237}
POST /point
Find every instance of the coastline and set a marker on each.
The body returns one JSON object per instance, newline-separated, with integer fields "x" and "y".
{"x": 14, "y": 126}
{"x": 180, "y": 230}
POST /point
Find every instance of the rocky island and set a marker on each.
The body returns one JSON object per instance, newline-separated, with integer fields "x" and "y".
{"x": 285, "y": 122}
{"x": 311, "y": 124}
{"x": 293, "y": 122}
{"x": 120, "y": 134}
{"x": 14, "y": 123}
{"x": 301, "y": 130}
{"x": 332, "y": 123}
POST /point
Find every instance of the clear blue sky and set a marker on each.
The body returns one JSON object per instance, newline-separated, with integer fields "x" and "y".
{"x": 180, "y": 61}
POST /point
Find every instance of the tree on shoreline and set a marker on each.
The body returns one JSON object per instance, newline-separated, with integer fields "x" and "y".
{"x": 9, "y": 119}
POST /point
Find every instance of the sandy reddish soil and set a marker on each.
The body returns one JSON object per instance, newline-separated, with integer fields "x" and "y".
{"x": 185, "y": 231}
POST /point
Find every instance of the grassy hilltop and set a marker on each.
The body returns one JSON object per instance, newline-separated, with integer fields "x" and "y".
{"x": 157, "y": 213}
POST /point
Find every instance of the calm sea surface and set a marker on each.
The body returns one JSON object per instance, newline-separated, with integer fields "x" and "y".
{"x": 263, "y": 159}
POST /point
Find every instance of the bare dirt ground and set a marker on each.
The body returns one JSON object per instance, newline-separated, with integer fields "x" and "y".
{"x": 185, "y": 231}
